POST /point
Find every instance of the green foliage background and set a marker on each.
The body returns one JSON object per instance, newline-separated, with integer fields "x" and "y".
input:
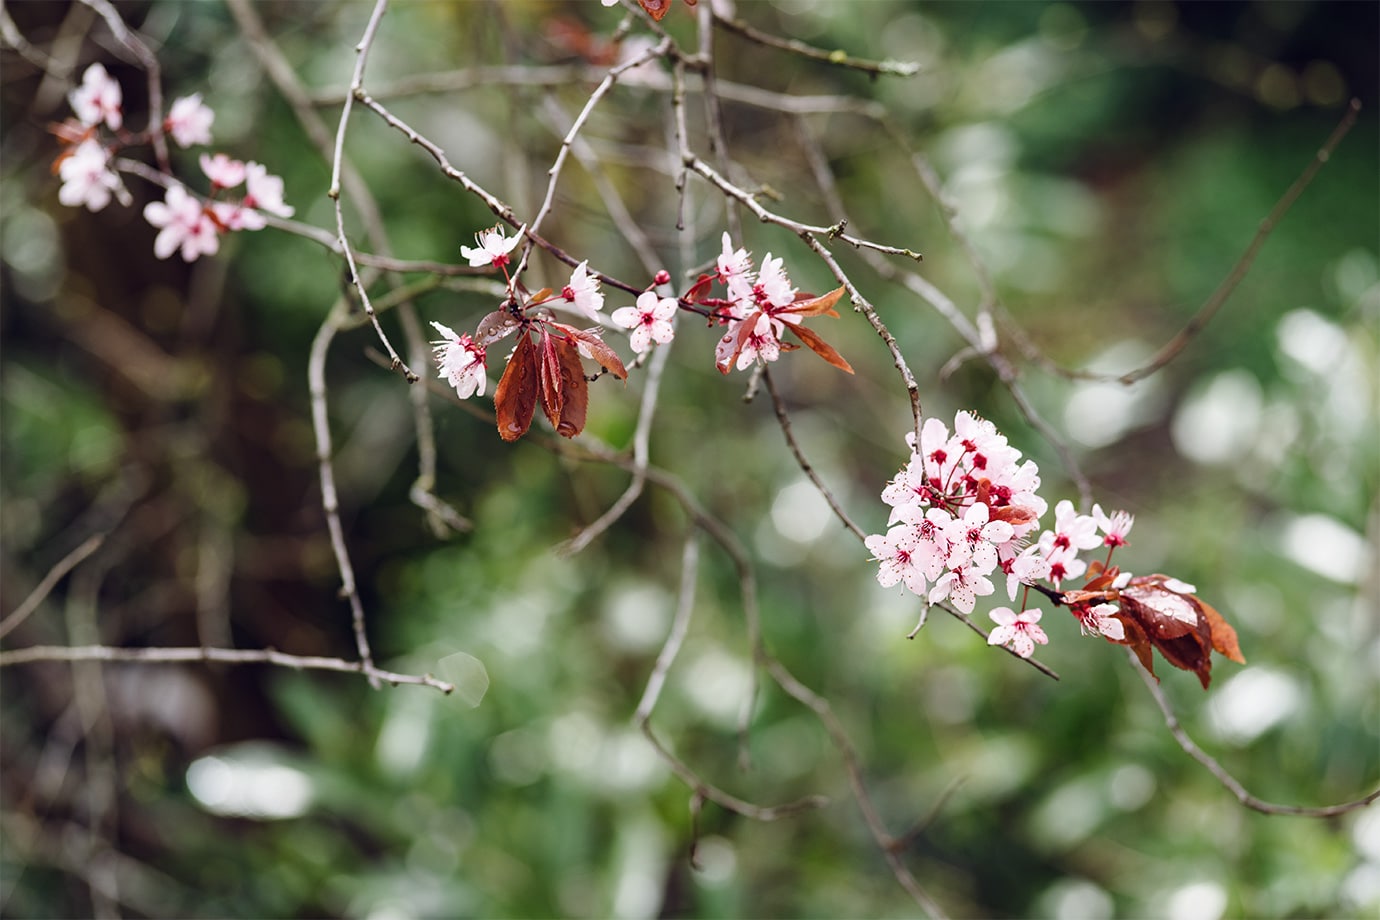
{"x": 1111, "y": 161}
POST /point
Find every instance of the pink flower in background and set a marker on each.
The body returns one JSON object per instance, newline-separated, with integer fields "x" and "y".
{"x": 1020, "y": 632}
{"x": 98, "y": 99}
{"x": 460, "y": 362}
{"x": 223, "y": 171}
{"x": 234, "y": 216}
{"x": 493, "y": 247}
{"x": 189, "y": 121}
{"x": 264, "y": 191}
{"x": 184, "y": 224}
{"x": 86, "y": 177}
{"x": 650, "y": 320}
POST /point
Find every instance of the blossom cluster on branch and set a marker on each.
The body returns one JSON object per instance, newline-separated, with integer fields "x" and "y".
{"x": 756, "y": 306}
{"x": 965, "y": 506}
{"x": 185, "y": 222}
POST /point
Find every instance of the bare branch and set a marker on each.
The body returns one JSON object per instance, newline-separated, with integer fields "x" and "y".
{"x": 837, "y": 57}
{"x": 37, "y": 653}
{"x": 1223, "y": 776}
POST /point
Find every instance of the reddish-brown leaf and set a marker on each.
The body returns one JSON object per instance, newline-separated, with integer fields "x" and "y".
{"x": 809, "y": 305}
{"x": 497, "y": 325}
{"x": 596, "y": 349}
{"x": 819, "y": 346}
{"x": 1223, "y": 636}
{"x": 576, "y": 390}
{"x": 515, "y": 400}
{"x": 552, "y": 392}
{"x": 1175, "y": 623}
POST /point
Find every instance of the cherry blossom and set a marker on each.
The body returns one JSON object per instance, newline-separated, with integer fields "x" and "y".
{"x": 184, "y": 224}
{"x": 899, "y": 561}
{"x": 582, "y": 292}
{"x": 649, "y": 321}
{"x": 773, "y": 288}
{"x": 1027, "y": 567}
{"x": 1100, "y": 621}
{"x": 86, "y": 177}
{"x": 1073, "y": 530}
{"x": 493, "y": 247}
{"x": 735, "y": 273}
{"x": 460, "y": 362}
{"x": 189, "y": 121}
{"x": 1019, "y": 632}
{"x": 222, "y": 170}
{"x": 264, "y": 191}
{"x": 979, "y": 536}
{"x": 98, "y": 99}
{"x": 962, "y": 584}
{"x": 763, "y": 341}
{"x": 1115, "y": 527}
{"x": 235, "y": 216}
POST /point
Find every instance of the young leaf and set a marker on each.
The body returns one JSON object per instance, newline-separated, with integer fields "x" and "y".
{"x": 595, "y": 348}
{"x": 1223, "y": 636}
{"x": 515, "y": 400}
{"x": 819, "y": 346}
{"x": 809, "y": 305}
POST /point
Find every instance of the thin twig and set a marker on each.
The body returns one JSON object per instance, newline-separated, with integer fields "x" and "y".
{"x": 337, "y": 161}
{"x": 837, "y": 57}
{"x": 45, "y": 587}
{"x": 1223, "y": 776}
{"x": 330, "y": 499}
{"x": 37, "y": 653}
{"x": 783, "y": 418}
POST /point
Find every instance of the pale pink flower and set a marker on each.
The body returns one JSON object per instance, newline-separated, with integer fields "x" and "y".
{"x": 460, "y": 362}
{"x": 582, "y": 292}
{"x": 896, "y": 553}
{"x": 1100, "y": 621}
{"x": 264, "y": 190}
{"x": 493, "y": 247}
{"x": 98, "y": 99}
{"x": 1073, "y": 530}
{"x": 962, "y": 584}
{"x": 189, "y": 121}
{"x": 184, "y": 224}
{"x": 1020, "y": 632}
{"x": 980, "y": 536}
{"x": 1064, "y": 563}
{"x": 650, "y": 320}
{"x": 1181, "y": 587}
{"x": 773, "y": 288}
{"x": 86, "y": 177}
{"x": 1027, "y": 567}
{"x": 1116, "y": 527}
{"x": 763, "y": 341}
{"x": 235, "y": 216}
{"x": 735, "y": 273}
{"x": 222, "y": 170}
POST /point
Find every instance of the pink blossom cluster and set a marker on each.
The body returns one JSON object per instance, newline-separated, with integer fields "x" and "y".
{"x": 461, "y": 359}
{"x": 966, "y": 509}
{"x": 764, "y": 300}
{"x": 185, "y": 222}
